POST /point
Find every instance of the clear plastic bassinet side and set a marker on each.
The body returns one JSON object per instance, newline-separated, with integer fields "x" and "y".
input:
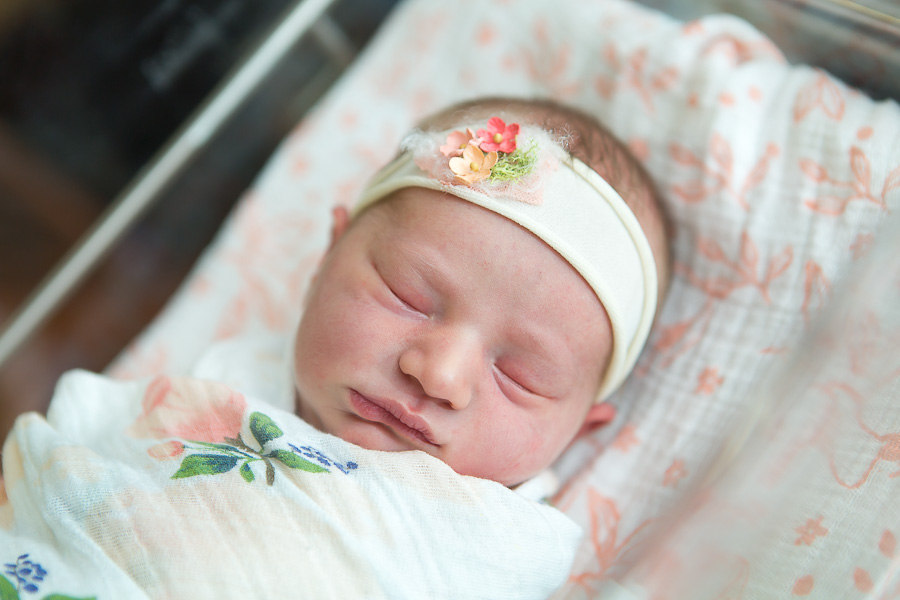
{"x": 856, "y": 40}
{"x": 816, "y": 462}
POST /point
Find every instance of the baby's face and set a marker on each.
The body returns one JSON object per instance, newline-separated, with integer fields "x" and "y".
{"x": 436, "y": 325}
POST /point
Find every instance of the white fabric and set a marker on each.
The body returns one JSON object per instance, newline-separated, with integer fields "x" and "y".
{"x": 95, "y": 498}
{"x": 776, "y": 179}
{"x": 825, "y": 421}
{"x": 571, "y": 208}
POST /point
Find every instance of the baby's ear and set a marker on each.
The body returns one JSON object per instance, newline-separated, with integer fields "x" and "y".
{"x": 598, "y": 415}
{"x": 340, "y": 222}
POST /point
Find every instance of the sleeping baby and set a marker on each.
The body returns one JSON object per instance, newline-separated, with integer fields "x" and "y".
{"x": 491, "y": 289}
{"x": 489, "y": 294}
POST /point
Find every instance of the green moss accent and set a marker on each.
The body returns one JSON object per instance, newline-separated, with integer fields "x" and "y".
{"x": 520, "y": 163}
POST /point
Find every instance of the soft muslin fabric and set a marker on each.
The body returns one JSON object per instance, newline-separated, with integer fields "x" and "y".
{"x": 187, "y": 488}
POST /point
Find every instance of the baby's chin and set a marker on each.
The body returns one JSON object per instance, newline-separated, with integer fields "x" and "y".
{"x": 371, "y": 436}
{"x": 500, "y": 473}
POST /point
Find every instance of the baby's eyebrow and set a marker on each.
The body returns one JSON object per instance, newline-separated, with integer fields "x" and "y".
{"x": 426, "y": 268}
{"x": 425, "y": 264}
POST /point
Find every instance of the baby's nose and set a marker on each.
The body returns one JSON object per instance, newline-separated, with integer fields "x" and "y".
{"x": 445, "y": 365}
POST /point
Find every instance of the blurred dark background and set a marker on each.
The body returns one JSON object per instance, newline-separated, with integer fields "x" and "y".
{"x": 90, "y": 90}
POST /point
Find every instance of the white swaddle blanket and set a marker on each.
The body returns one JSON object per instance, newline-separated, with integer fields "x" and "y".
{"x": 185, "y": 488}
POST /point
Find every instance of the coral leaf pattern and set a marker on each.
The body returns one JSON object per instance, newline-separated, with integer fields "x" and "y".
{"x": 822, "y": 94}
{"x": 708, "y": 381}
{"x": 803, "y": 586}
{"x": 809, "y": 531}
{"x": 862, "y": 170}
{"x": 891, "y": 182}
{"x": 716, "y": 174}
{"x": 813, "y": 170}
{"x": 888, "y": 544}
{"x": 816, "y": 290}
{"x": 743, "y": 272}
{"x": 839, "y": 193}
{"x": 862, "y": 580}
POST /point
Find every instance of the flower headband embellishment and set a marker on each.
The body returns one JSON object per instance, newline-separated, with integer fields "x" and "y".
{"x": 490, "y": 153}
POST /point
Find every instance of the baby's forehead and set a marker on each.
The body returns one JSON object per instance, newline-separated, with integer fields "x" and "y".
{"x": 417, "y": 204}
{"x": 412, "y": 207}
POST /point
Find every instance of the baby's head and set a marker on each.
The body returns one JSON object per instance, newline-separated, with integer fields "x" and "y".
{"x": 482, "y": 307}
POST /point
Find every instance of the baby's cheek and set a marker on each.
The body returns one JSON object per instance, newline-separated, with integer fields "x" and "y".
{"x": 542, "y": 442}
{"x": 539, "y": 448}
{"x": 536, "y": 443}
{"x": 529, "y": 448}
{"x": 318, "y": 348}
{"x": 367, "y": 339}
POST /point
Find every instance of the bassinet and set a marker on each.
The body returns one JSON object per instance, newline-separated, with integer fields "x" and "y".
{"x": 755, "y": 453}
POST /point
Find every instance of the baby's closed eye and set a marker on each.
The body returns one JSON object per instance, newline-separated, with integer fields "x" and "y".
{"x": 403, "y": 294}
{"x": 404, "y": 299}
{"x": 516, "y": 379}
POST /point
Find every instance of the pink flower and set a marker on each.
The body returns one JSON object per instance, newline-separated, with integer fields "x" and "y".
{"x": 457, "y": 142}
{"x": 498, "y": 136}
{"x": 189, "y": 409}
{"x": 474, "y": 165}
{"x": 166, "y": 450}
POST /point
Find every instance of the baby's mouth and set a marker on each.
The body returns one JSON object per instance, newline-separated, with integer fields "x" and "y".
{"x": 393, "y": 415}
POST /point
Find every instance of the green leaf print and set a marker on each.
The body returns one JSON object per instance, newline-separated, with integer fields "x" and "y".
{"x": 247, "y": 472}
{"x": 223, "y": 457}
{"x": 7, "y": 589}
{"x": 222, "y": 447}
{"x": 205, "y": 464}
{"x": 264, "y": 429}
{"x": 296, "y": 462}
{"x": 64, "y": 597}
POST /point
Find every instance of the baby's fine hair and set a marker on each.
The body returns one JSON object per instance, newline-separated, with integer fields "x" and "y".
{"x": 589, "y": 141}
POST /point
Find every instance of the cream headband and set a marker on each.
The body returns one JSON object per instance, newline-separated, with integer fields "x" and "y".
{"x": 524, "y": 175}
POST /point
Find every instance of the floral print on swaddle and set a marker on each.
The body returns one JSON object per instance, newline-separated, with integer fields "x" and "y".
{"x": 208, "y": 416}
{"x": 212, "y": 458}
{"x": 27, "y": 576}
{"x": 170, "y": 510}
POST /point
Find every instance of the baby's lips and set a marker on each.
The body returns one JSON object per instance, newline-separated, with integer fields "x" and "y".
{"x": 393, "y": 414}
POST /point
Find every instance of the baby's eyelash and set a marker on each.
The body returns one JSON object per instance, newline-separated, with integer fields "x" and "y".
{"x": 406, "y": 303}
{"x": 515, "y": 382}
{"x": 401, "y": 299}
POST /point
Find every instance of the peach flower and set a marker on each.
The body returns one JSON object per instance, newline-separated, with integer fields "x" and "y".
{"x": 474, "y": 165}
{"x": 457, "y": 142}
